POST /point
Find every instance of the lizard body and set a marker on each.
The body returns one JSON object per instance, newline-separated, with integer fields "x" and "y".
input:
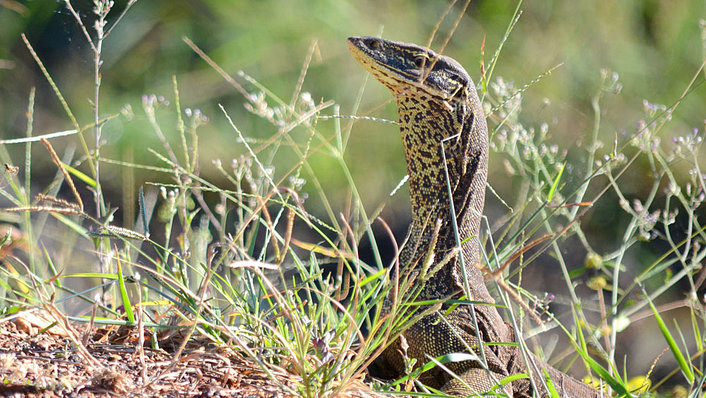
{"x": 437, "y": 102}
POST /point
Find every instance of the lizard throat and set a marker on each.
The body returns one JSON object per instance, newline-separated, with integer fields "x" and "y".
{"x": 426, "y": 121}
{"x": 423, "y": 121}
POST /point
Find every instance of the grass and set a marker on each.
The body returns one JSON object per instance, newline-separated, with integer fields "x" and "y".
{"x": 250, "y": 266}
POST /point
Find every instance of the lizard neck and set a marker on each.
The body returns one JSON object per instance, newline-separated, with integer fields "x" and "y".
{"x": 424, "y": 122}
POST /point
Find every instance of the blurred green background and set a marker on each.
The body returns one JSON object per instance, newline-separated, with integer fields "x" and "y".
{"x": 655, "y": 46}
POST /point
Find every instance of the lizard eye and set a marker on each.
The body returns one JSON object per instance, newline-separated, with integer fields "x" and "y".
{"x": 419, "y": 61}
{"x": 374, "y": 43}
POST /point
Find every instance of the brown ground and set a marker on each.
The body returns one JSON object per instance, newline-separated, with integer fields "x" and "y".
{"x": 49, "y": 364}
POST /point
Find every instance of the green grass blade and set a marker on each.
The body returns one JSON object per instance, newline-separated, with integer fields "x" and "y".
{"x": 616, "y": 384}
{"x": 683, "y": 365}
{"x": 697, "y": 333}
{"x": 681, "y": 360}
{"x": 123, "y": 293}
{"x": 556, "y": 183}
{"x": 76, "y": 227}
{"x": 52, "y": 268}
{"x": 81, "y": 176}
{"x": 550, "y": 386}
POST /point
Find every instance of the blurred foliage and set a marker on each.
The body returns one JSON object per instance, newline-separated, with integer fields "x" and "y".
{"x": 653, "y": 45}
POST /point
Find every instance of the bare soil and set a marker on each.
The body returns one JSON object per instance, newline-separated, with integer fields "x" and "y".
{"x": 107, "y": 362}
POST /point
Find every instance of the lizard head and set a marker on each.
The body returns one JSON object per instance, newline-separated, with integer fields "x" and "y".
{"x": 403, "y": 67}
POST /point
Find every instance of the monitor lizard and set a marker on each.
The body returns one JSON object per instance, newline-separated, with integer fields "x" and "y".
{"x": 437, "y": 101}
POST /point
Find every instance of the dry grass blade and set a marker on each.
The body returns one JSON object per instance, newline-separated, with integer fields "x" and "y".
{"x": 67, "y": 176}
{"x": 215, "y": 67}
{"x": 252, "y": 264}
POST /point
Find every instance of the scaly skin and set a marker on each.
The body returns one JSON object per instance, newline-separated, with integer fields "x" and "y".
{"x": 437, "y": 101}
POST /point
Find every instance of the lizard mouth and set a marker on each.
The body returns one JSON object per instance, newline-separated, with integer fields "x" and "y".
{"x": 372, "y": 54}
{"x": 394, "y": 64}
{"x": 363, "y": 54}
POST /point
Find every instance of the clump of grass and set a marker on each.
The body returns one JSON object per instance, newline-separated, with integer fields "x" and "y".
{"x": 248, "y": 266}
{"x": 551, "y": 208}
{"x": 219, "y": 262}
